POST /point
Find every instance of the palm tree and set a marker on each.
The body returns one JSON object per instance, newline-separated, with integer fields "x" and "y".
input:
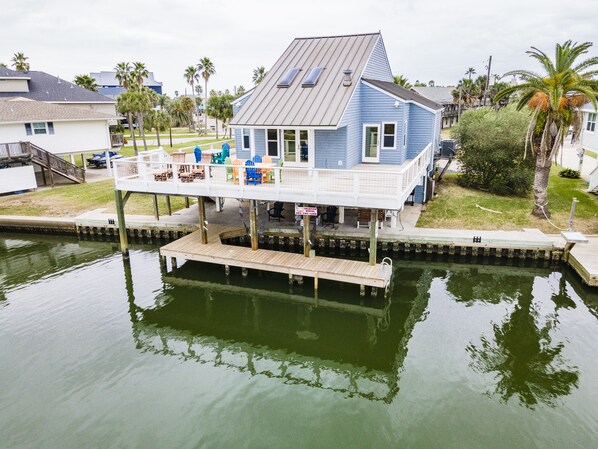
{"x": 124, "y": 106}
{"x": 470, "y": 71}
{"x": 138, "y": 74}
{"x": 207, "y": 69}
{"x": 431, "y": 83}
{"x": 124, "y": 78}
{"x": 192, "y": 76}
{"x": 163, "y": 101}
{"x": 87, "y": 82}
{"x": 19, "y": 62}
{"x": 259, "y": 74}
{"x": 158, "y": 120}
{"x": 402, "y": 81}
{"x": 554, "y": 98}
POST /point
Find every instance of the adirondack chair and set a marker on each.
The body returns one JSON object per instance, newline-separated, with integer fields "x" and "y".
{"x": 228, "y": 164}
{"x": 197, "y": 152}
{"x": 252, "y": 175}
{"x": 237, "y": 163}
{"x": 219, "y": 158}
{"x": 257, "y": 159}
{"x": 276, "y": 211}
{"x": 268, "y": 173}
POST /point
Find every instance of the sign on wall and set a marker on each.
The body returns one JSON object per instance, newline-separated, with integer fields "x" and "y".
{"x": 306, "y": 210}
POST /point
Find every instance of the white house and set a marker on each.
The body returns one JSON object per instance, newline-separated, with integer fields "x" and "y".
{"x": 589, "y": 130}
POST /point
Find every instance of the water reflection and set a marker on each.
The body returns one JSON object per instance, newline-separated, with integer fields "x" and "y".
{"x": 520, "y": 353}
{"x": 355, "y": 347}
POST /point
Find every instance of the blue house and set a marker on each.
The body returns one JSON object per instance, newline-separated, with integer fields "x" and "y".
{"x": 109, "y": 86}
{"x": 329, "y": 103}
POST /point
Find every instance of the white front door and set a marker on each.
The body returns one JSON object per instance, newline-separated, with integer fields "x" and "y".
{"x": 297, "y": 147}
{"x": 371, "y": 143}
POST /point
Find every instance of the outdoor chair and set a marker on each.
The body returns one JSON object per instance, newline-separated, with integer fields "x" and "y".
{"x": 257, "y": 159}
{"x": 268, "y": 173}
{"x": 237, "y": 163}
{"x": 329, "y": 217}
{"x": 276, "y": 211}
{"x": 197, "y": 152}
{"x": 228, "y": 164}
{"x": 252, "y": 175}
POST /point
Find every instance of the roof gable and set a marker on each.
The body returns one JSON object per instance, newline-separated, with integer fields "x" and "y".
{"x": 19, "y": 110}
{"x": 320, "y": 105}
{"x": 404, "y": 94}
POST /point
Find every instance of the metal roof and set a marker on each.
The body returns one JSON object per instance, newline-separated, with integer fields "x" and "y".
{"x": 45, "y": 87}
{"x": 439, "y": 94}
{"x": 20, "y": 110}
{"x": 108, "y": 78}
{"x": 5, "y": 72}
{"x": 404, "y": 94}
{"x": 320, "y": 105}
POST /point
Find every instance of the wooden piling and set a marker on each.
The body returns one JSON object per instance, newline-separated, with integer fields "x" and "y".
{"x": 122, "y": 228}
{"x": 373, "y": 235}
{"x": 253, "y": 224}
{"x": 201, "y": 207}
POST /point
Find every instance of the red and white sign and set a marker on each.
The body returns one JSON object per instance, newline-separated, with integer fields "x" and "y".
{"x": 306, "y": 210}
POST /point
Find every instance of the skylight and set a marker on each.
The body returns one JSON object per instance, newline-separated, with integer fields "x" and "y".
{"x": 288, "y": 78}
{"x": 312, "y": 77}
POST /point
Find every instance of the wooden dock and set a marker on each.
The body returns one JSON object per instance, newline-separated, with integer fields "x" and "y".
{"x": 292, "y": 264}
{"x": 584, "y": 260}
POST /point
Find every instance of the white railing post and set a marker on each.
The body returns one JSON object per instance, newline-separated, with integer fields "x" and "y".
{"x": 355, "y": 185}
{"x": 314, "y": 182}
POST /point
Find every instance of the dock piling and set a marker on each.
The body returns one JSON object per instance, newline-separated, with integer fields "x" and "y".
{"x": 373, "y": 235}
{"x": 202, "y": 219}
{"x": 253, "y": 224}
{"x": 122, "y": 227}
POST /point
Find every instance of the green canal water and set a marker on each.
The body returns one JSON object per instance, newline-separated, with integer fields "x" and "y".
{"x": 99, "y": 353}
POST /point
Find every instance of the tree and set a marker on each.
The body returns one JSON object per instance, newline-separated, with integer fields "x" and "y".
{"x": 418, "y": 83}
{"x": 2, "y": 64}
{"x": 259, "y": 73}
{"x": 138, "y": 74}
{"x": 19, "y": 62}
{"x": 124, "y": 78}
{"x": 491, "y": 153}
{"x": 137, "y": 103}
{"x": 124, "y": 106}
{"x": 431, "y": 83}
{"x": 192, "y": 76}
{"x": 402, "y": 81}
{"x": 159, "y": 120}
{"x": 207, "y": 69}
{"x": 163, "y": 101}
{"x": 554, "y": 97}
{"x": 240, "y": 91}
{"x": 470, "y": 71}
{"x": 86, "y": 82}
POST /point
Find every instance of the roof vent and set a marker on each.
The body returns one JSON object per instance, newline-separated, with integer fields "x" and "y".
{"x": 347, "y": 79}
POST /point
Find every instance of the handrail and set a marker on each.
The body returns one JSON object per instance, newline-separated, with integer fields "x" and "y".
{"x": 55, "y": 163}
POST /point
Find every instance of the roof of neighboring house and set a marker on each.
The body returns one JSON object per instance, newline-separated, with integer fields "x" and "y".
{"x": 109, "y": 79}
{"x": 404, "y": 94}
{"x": 5, "y": 72}
{"x": 21, "y": 110}
{"x": 320, "y": 105}
{"x": 588, "y": 107}
{"x": 439, "y": 94}
{"x": 46, "y": 87}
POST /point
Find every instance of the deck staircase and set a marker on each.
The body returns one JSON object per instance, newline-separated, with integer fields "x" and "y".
{"x": 25, "y": 152}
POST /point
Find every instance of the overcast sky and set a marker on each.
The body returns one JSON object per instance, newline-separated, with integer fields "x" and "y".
{"x": 425, "y": 39}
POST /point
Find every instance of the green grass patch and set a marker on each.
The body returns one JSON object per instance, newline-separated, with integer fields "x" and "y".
{"x": 455, "y": 207}
{"x": 591, "y": 154}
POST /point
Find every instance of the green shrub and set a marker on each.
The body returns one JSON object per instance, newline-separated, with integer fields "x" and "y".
{"x": 492, "y": 149}
{"x": 569, "y": 173}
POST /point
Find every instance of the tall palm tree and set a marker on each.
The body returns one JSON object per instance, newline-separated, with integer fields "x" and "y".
{"x": 402, "y": 81}
{"x": 259, "y": 74}
{"x": 124, "y": 77}
{"x": 207, "y": 69}
{"x": 19, "y": 62}
{"x": 86, "y": 82}
{"x": 555, "y": 98}
{"x": 192, "y": 77}
{"x": 124, "y": 106}
{"x": 470, "y": 71}
{"x": 139, "y": 73}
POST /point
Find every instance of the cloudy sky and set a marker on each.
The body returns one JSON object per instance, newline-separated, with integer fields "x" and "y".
{"x": 425, "y": 39}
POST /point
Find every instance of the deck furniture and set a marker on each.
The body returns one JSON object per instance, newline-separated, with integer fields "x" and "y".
{"x": 267, "y": 172}
{"x": 237, "y": 174}
{"x": 228, "y": 164}
{"x": 197, "y": 152}
{"x": 329, "y": 217}
{"x": 252, "y": 174}
{"x": 364, "y": 216}
{"x": 276, "y": 211}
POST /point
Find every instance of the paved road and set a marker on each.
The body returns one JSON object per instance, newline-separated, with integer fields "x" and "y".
{"x": 571, "y": 160}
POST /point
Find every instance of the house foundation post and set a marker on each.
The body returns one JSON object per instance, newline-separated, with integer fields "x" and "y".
{"x": 156, "y": 211}
{"x": 122, "y": 227}
{"x": 202, "y": 220}
{"x": 306, "y": 242}
{"x": 253, "y": 224}
{"x": 373, "y": 235}
{"x": 168, "y": 208}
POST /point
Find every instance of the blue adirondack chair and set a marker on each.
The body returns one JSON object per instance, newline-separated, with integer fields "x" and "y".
{"x": 197, "y": 152}
{"x": 252, "y": 175}
{"x": 257, "y": 159}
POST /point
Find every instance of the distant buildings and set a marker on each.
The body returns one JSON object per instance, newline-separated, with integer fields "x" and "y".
{"x": 444, "y": 96}
{"x": 109, "y": 86}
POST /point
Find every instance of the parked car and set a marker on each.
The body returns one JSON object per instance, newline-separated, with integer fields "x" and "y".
{"x": 99, "y": 159}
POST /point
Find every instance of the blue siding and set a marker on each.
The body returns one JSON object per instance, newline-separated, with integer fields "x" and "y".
{"x": 240, "y": 153}
{"x": 259, "y": 140}
{"x": 378, "y": 67}
{"x": 421, "y": 127}
{"x": 330, "y": 148}
{"x": 352, "y": 120}
{"x": 377, "y": 108}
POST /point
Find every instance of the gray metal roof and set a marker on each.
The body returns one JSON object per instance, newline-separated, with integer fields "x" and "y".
{"x": 20, "y": 110}
{"x": 404, "y": 94}
{"x": 321, "y": 105}
{"x": 109, "y": 79}
{"x": 439, "y": 94}
{"x": 45, "y": 87}
{"x": 5, "y": 72}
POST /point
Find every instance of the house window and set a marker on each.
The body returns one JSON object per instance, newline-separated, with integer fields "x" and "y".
{"x": 39, "y": 128}
{"x": 272, "y": 142}
{"x": 245, "y": 132}
{"x": 388, "y": 135}
{"x": 591, "y": 126}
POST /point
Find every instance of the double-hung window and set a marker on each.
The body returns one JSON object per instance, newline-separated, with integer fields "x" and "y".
{"x": 39, "y": 128}
{"x": 246, "y": 140}
{"x": 389, "y": 131}
{"x": 591, "y": 126}
{"x": 272, "y": 142}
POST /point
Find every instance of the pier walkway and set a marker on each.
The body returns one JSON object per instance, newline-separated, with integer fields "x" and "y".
{"x": 292, "y": 264}
{"x": 584, "y": 260}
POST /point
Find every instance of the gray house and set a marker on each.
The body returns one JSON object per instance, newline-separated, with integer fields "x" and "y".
{"x": 330, "y": 103}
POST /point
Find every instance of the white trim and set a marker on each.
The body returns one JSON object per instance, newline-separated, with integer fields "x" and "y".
{"x": 59, "y": 120}
{"x": 588, "y": 121}
{"x": 363, "y": 156}
{"x": 243, "y": 147}
{"x": 394, "y": 147}
{"x": 15, "y": 78}
{"x": 251, "y": 142}
{"x": 402, "y": 100}
{"x": 79, "y": 102}
{"x": 237, "y": 100}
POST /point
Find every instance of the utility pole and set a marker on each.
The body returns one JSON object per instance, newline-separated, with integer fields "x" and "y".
{"x": 487, "y": 79}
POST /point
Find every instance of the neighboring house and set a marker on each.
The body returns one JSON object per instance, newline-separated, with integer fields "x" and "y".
{"x": 589, "y": 128}
{"x": 330, "y": 103}
{"x": 444, "y": 96}
{"x": 40, "y": 86}
{"x": 109, "y": 86}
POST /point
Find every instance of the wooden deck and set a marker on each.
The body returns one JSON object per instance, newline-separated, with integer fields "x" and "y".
{"x": 340, "y": 270}
{"x": 584, "y": 260}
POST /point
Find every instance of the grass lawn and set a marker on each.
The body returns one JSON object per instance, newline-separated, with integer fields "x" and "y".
{"x": 73, "y": 200}
{"x": 455, "y": 207}
{"x": 591, "y": 154}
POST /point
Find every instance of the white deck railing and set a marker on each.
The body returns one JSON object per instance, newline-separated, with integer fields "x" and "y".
{"x": 379, "y": 188}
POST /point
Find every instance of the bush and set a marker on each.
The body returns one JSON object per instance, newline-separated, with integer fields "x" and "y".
{"x": 492, "y": 148}
{"x": 569, "y": 173}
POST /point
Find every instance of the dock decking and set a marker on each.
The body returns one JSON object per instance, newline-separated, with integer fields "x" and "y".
{"x": 341, "y": 270}
{"x": 584, "y": 260}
